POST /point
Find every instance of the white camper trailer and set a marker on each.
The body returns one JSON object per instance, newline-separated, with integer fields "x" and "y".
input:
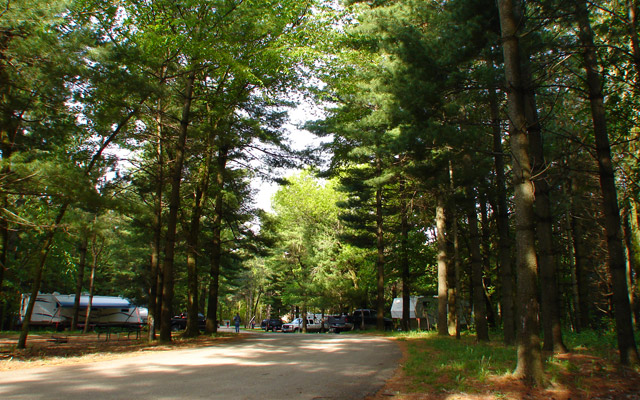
{"x": 420, "y": 312}
{"x": 55, "y": 309}
{"x": 423, "y": 312}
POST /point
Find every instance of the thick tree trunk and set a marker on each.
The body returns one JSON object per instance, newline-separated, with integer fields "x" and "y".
{"x": 529, "y": 359}
{"x": 550, "y": 311}
{"x": 443, "y": 327}
{"x": 82, "y": 249}
{"x": 624, "y": 327}
{"x": 216, "y": 243}
{"x": 172, "y": 218}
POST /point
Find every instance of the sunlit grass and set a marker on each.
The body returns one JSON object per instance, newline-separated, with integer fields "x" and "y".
{"x": 446, "y": 364}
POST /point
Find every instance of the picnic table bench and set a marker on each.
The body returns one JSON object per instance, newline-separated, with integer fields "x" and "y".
{"x": 118, "y": 330}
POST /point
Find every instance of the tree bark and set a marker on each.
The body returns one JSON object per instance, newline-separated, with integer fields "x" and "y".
{"x": 380, "y": 252}
{"x": 174, "y": 205}
{"x": 631, "y": 266}
{"x": 79, "y": 281}
{"x": 192, "y": 247}
{"x": 216, "y": 243}
{"x": 155, "y": 267}
{"x": 635, "y": 246}
{"x": 92, "y": 280}
{"x": 479, "y": 305}
{"x": 624, "y": 327}
{"x": 443, "y": 327}
{"x": 406, "y": 294}
{"x": 529, "y": 357}
{"x": 504, "y": 242}
{"x": 456, "y": 258}
{"x": 550, "y": 311}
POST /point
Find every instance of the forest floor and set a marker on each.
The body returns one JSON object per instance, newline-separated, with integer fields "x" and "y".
{"x": 576, "y": 375}
{"x": 62, "y": 349}
{"x": 572, "y": 376}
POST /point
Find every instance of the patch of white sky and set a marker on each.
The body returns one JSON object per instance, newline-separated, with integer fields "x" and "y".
{"x": 299, "y": 139}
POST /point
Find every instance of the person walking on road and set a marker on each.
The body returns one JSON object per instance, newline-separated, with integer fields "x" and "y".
{"x": 236, "y": 321}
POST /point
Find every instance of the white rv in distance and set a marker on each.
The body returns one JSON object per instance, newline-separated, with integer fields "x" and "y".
{"x": 56, "y": 310}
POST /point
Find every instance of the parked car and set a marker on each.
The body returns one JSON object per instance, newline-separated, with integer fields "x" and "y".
{"x": 365, "y": 318}
{"x": 179, "y": 322}
{"x": 296, "y": 325}
{"x": 272, "y": 324}
{"x": 339, "y": 323}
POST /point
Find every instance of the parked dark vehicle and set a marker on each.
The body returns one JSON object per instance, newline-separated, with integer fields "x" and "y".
{"x": 272, "y": 324}
{"x": 179, "y": 322}
{"x": 339, "y": 323}
{"x": 366, "y": 318}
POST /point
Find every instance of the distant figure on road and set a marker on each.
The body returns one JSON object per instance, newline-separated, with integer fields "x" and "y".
{"x": 236, "y": 320}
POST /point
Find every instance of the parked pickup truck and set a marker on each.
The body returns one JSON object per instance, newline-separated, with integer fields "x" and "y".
{"x": 179, "y": 322}
{"x": 367, "y": 318}
{"x": 339, "y": 323}
{"x": 296, "y": 325}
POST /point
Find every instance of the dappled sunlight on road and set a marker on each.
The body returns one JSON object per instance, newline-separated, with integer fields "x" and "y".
{"x": 294, "y": 366}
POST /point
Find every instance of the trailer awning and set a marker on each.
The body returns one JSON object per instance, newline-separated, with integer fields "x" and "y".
{"x": 97, "y": 301}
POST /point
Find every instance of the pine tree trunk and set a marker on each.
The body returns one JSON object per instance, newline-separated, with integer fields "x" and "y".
{"x": 456, "y": 258}
{"x": 380, "y": 253}
{"x": 155, "y": 267}
{"x": 635, "y": 245}
{"x": 172, "y": 218}
{"x": 216, "y": 243}
{"x": 443, "y": 327}
{"x": 92, "y": 280}
{"x": 624, "y": 327}
{"x": 79, "y": 282}
{"x": 479, "y": 305}
{"x": 577, "y": 234}
{"x": 550, "y": 312}
{"x": 631, "y": 266}
{"x": 406, "y": 294}
{"x": 192, "y": 247}
{"x": 529, "y": 357}
{"x": 504, "y": 241}
{"x": 486, "y": 263}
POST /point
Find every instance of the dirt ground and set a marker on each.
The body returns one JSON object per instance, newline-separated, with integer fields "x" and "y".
{"x": 589, "y": 378}
{"x": 61, "y": 349}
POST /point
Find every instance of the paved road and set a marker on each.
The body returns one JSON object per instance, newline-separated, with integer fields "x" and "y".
{"x": 261, "y": 366}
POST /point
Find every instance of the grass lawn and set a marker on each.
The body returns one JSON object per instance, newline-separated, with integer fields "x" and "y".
{"x": 437, "y": 367}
